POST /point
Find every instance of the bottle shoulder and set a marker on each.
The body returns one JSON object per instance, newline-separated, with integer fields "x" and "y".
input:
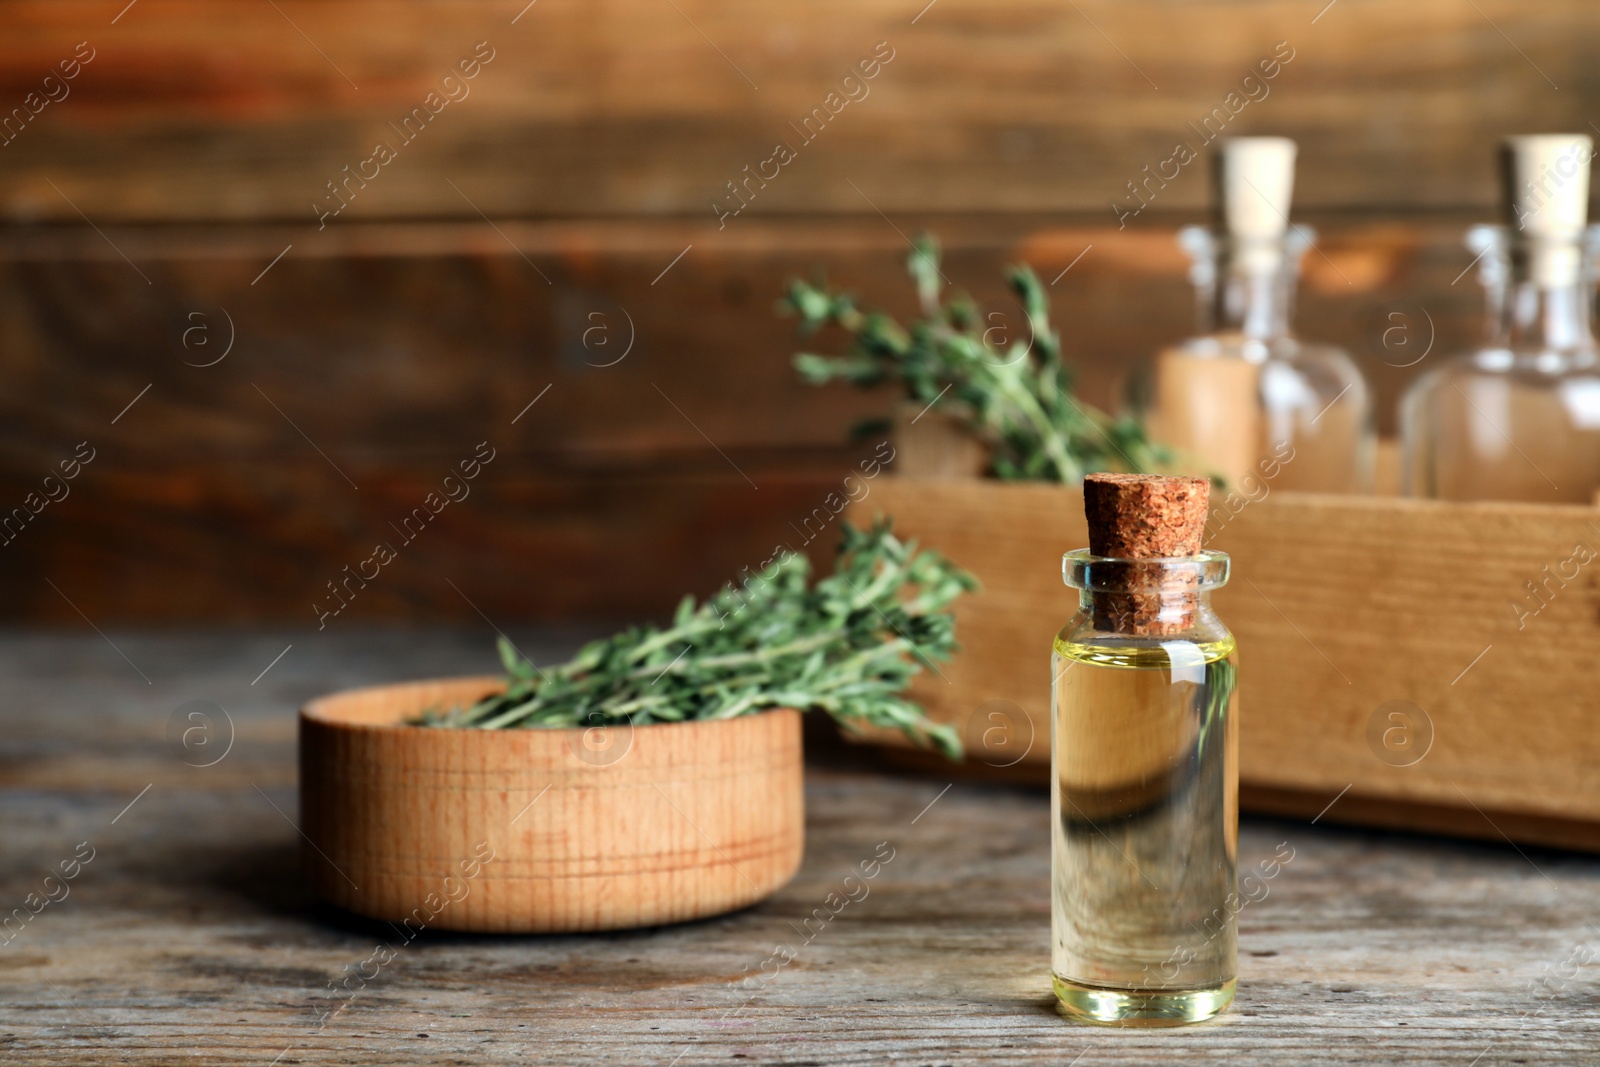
{"x": 1495, "y": 363}
{"x": 1286, "y": 350}
{"x": 1290, "y": 374}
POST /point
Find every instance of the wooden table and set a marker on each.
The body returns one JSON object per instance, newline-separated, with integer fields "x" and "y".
{"x": 189, "y": 936}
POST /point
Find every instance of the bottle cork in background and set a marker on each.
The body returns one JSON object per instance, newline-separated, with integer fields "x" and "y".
{"x": 1137, "y": 517}
{"x": 1546, "y": 199}
{"x": 1254, "y": 188}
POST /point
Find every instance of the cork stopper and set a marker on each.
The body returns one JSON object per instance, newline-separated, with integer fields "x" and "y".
{"x": 1145, "y": 517}
{"x": 1255, "y": 185}
{"x": 1546, "y": 198}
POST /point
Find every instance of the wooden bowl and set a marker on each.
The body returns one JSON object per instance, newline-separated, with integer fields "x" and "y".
{"x": 537, "y": 831}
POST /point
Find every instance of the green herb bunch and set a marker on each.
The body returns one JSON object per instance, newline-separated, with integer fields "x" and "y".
{"x": 1018, "y": 398}
{"x": 849, "y": 645}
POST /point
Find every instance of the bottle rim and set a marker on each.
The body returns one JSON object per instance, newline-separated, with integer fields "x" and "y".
{"x": 1199, "y": 573}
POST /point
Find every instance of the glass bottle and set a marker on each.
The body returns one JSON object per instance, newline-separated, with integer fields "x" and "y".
{"x": 1245, "y": 396}
{"x": 1519, "y": 418}
{"x": 1144, "y": 798}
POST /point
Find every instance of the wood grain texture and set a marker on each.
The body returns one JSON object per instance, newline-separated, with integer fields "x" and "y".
{"x": 149, "y": 207}
{"x": 934, "y": 444}
{"x": 1348, "y": 612}
{"x": 238, "y": 110}
{"x": 543, "y": 831}
{"x": 192, "y": 935}
{"x": 388, "y": 354}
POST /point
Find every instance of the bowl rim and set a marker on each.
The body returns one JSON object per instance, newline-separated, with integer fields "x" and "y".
{"x": 312, "y": 712}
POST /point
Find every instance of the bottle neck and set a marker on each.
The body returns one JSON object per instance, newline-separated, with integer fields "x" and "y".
{"x": 1546, "y": 305}
{"x": 1244, "y": 290}
{"x": 1255, "y": 303}
{"x": 1170, "y": 608}
{"x": 1145, "y": 597}
{"x": 1546, "y": 318}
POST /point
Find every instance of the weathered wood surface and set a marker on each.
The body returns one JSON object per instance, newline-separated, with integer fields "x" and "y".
{"x": 240, "y": 110}
{"x": 388, "y": 353}
{"x": 190, "y": 937}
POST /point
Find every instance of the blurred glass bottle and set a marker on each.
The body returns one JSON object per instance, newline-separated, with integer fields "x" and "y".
{"x": 1246, "y": 397}
{"x": 1519, "y": 419}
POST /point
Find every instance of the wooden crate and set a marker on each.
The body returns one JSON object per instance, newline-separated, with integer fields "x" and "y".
{"x": 1474, "y": 624}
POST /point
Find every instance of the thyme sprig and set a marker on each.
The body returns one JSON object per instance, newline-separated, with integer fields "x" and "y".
{"x": 848, "y": 645}
{"x": 1018, "y": 397}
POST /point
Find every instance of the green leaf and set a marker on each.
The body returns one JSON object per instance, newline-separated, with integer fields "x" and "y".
{"x": 847, "y": 644}
{"x": 512, "y": 660}
{"x": 1016, "y": 394}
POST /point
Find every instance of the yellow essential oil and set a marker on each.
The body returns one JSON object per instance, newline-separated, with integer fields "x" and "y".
{"x": 1145, "y": 799}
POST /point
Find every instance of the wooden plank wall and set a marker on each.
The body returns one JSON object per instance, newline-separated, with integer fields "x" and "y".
{"x": 563, "y": 219}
